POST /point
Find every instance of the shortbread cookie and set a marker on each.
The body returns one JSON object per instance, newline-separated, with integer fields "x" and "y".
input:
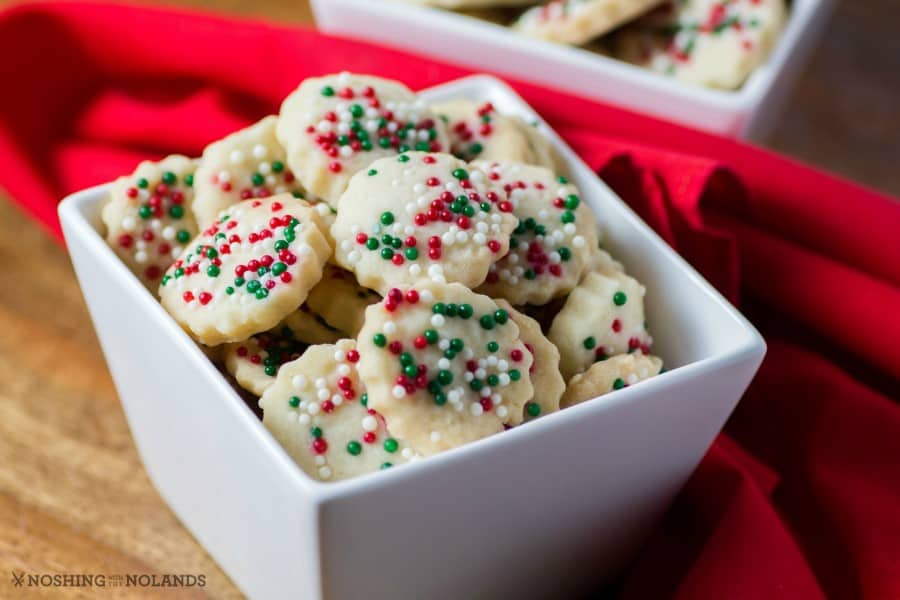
{"x": 255, "y": 362}
{"x": 444, "y": 365}
{"x": 334, "y": 126}
{"x": 579, "y": 21}
{"x": 477, "y": 130}
{"x": 454, "y": 4}
{"x": 715, "y": 43}
{"x": 249, "y": 163}
{"x": 148, "y": 218}
{"x": 421, "y": 216}
{"x": 340, "y": 300}
{"x": 311, "y": 327}
{"x": 610, "y": 375}
{"x": 542, "y": 151}
{"x": 545, "y": 376}
{"x": 317, "y": 410}
{"x": 246, "y": 272}
{"x": 552, "y": 245}
{"x": 602, "y": 317}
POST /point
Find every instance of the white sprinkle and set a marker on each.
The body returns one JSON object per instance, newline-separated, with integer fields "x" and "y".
{"x": 578, "y": 241}
{"x": 443, "y": 363}
{"x": 236, "y": 157}
{"x": 501, "y": 411}
{"x": 325, "y": 472}
{"x": 259, "y": 151}
{"x": 323, "y": 394}
{"x": 444, "y": 344}
{"x": 426, "y": 295}
{"x": 407, "y": 453}
{"x": 476, "y": 409}
{"x": 389, "y": 328}
{"x": 354, "y": 257}
{"x": 369, "y": 423}
{"x": 343, "y": 370}
{"x": 435, "y": 437}
{"x": 399, "y": 391}
{"x": 415, "y": 270}
{"x": 299, "y": 381}
{"x": 140, "y": 257}
{"x": 313, "y": 408}
{"x": 224, "y": 176}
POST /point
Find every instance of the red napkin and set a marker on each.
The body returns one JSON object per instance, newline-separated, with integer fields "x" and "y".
{"x": 801, "y": 497}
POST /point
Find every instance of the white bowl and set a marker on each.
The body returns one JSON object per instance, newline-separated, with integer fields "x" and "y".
{"x": 543, "y": 510}
{"x": 747, "y": 113}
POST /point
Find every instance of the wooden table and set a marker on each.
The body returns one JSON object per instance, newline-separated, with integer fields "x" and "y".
{"x": 74, "y": 497}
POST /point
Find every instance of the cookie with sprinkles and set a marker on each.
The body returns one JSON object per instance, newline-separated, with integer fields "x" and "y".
{"x": 579, "y": 21}
{"x": 545, "y": 376}
{"x": 602, "y": 317}
{"x": 715, "y": 43}
{"x": 249, "y": 163}
{"x": 421, "y": 216}
{"x": 551, "y": 246}
{"x": 255, "y": 362}
{"x": 340, "y": 300}
{"x": 247, "y": 271}
{"x": 312, "y": 328}
{"x": 332, "y": 127}
{"x": 477, "y": 130}
{"x": 610, "y": 375}
{"x": 444, "y": 365}
{"x": 148, "y": 218}
{"x": 319, "y": 412}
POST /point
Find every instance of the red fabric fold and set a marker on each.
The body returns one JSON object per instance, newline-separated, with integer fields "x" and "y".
{"x": 800, "y": 498}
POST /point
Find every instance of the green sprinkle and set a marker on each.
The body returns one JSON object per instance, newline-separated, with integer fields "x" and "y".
{"x": 229, "y": 290}
{"x": 373, "y": 172}
{"x": 440, "y": 399}
{"x": 431, "y": 336}
{"x": 564, "y": 254}
{"x": 562, "y": 180}
{"x": 277, "y": 166}
{"x": 402, "y": 158}
{"x": 387, "y": 253}
{"x": 476, "y": 148}
{"x": 533, "y": 409}
{"x": 238, "y": 281}
{"x": 183, "y": 236}
{"x": 372, "y": 243}
{"x": 567, "y": 217}
{"x": 457, "y": 345}
{"x": 411, "y": 253}
{"x": 391, "y": 445}
{"x": 357, "y": 111}
{"x": 514, "y": 375}
{"x": 257, "y": 179}
{"x": 145, "y": 211}
{"x": 501, "y": 316}
{"x": 451, "y": 310}
{"x": 410, "y": 370}
{"x": 189, "y": 180}
{"x": 465, "y": 311}
{"x": 142, "y": 183}
{"x": 492, "y": 346}
{"x": 492, "y": 380}
{"x": 354, "y": 447}
{"x": 572, "y": 202}
{"x": 439, "y": 308}
{"x": 294, "y": 401}
{"x": 406, "y": 359}
{"x": 328, "y": 91}
{"x": 476, "y": 385}
{"x": 386, "y": 465}
{"x": 619, "y": 298}
{"x": 487, "y": 322}
{"x": 279, "y": 268}
{"x": 271, "y": 370}
{"x": 618, "y": 384}
{"x": 364, "y": 399}
{"x": 460, "y": 174}
{"x": 253, "y": 285}
{"x": 384, "y": 142}
{"x": 212, "y": 271}
{"x": 445, "y": 377}
{"x": 169, "y": 178}
{"x": 589, "y": 343}
{"x": 387, "y": 218}
{"x": 261, "y": 293}
{"x": 379, "y": 340}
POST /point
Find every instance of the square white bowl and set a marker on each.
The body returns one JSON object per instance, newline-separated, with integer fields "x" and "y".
{"x": 748, "y": 112}
{"x": 542, "y": 510}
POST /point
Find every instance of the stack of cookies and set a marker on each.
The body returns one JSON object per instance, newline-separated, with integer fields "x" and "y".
{"x": 714, "y": 43}
{"x": 391, "y": 279}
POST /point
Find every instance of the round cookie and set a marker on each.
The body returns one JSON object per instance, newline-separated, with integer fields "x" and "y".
{"x": 444, "y": 365}
{"x": 246, "y": 272}
{"x": 545, "y": 376}
{"x": 609, "y": 375}
{"x": 311, "y": 327}
{"x": 421, "y": 216}
{"x": 317, "y": 411}
{"x": 602, "y": 317}
{"x": 255, "y": 362}
{"x": 340, "y": 300}
{"x": 147, "y": 217}
{"x": 249, "y": 163}
{"x": 579, "y": 21}
{"x": 716, "y": 43}
{"x": 477, "y": 130}
{"x": 552, "y": 245}
{"x": 334, "y": 126}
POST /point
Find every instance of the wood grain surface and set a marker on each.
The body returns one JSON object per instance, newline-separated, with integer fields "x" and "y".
{"x": 73, "y": 495}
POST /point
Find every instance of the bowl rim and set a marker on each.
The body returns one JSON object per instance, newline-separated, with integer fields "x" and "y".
{"x": 74, "y": 212}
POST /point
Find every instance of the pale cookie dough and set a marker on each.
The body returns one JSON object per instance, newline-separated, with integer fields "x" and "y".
{"x": 246, "y": 272}
{"x": 148, "y": 218}
{"x": 247, "y": 164}
{"x": 477, "y": 130}
{"x": 716, "y": 43}
{"x": 579, "y": 21}
{"x": 602, "y": 317}
{"x": 609, "y": 375}
{"x": 602, "y": 262}
{"x": 421, "y": 216}
{"x": 317, "y": 411}
{"x": 553, "y": 243}
{"x": 255, "y": 362}
{"x": 334, "y": 126}
{"x": 311, "y": 327}
{"x": 545, "y": 376}
{"x": 444, "y": 365}
{"x": 340, "y": 300}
